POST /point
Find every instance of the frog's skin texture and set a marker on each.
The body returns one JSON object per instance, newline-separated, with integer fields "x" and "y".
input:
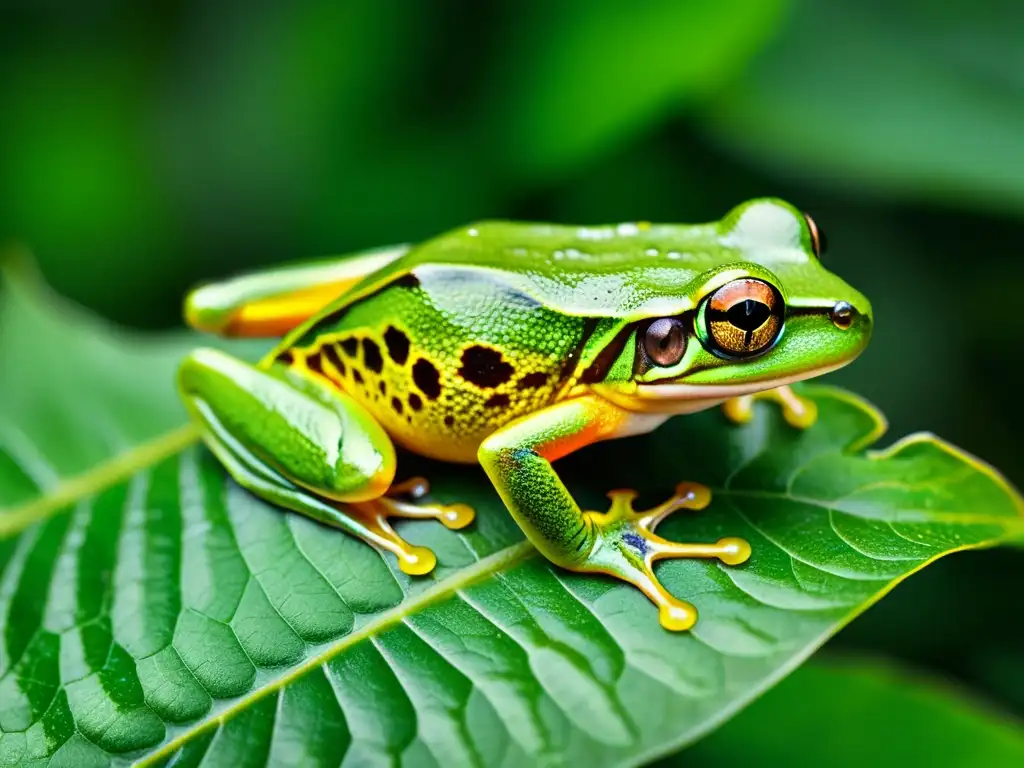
{"x": 513, "y": 345}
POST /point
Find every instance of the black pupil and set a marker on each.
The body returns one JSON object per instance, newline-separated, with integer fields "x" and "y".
{"x": 749, "y": 315}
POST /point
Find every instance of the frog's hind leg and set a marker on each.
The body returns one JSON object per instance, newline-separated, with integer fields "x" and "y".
{"x": 272, "y": 302}
{"x": 304, "y": 447}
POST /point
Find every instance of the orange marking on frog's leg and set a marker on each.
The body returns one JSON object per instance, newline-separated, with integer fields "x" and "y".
{"x": 277, "y": 315}
{"x": 272, "y": 302}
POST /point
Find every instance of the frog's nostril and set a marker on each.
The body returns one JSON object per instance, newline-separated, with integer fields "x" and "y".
{"x": 842, "y": 314}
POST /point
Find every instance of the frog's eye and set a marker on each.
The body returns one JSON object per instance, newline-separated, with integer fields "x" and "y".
{"x": 744, "y": 317}
{"x": 665, "y": 341}
{"x": 818, "y": 240}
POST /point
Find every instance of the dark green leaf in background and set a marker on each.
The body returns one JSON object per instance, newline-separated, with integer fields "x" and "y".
{"x": 850, "y": 713}
{"x": 917, "y": 99}
{"x": 581, "y": 76}
{"x": 158, "y": 610}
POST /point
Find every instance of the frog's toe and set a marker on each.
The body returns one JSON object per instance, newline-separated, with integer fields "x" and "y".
{"x": 739, "y": 410}
{"x": 798, "y": 411}
{"x": 416, "y": 561}
{"x": 415, "y": 488}
{"x": 453, "y": 516}
{"x": 456, "y": 516}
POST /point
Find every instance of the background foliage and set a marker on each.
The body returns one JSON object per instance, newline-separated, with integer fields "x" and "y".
{"x": 147, "y": 146}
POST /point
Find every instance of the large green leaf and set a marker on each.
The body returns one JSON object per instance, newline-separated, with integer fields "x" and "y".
{"x": 914, "y": 99}
{"x": 150, "y": 609}
{"x": 578, "y": 76}
{"x": 857, "y": 712}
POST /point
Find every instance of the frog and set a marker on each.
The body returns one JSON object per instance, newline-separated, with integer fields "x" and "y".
{"x": 510, "y": 345}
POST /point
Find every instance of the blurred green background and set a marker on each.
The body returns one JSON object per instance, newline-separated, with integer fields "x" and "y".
{"x": 144, "y": 147}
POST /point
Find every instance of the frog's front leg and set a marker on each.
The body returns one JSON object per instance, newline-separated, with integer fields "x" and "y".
{"x": 799, "y": 412}
{"x": 308, "y": 448}
{"x": 620, "y": 542}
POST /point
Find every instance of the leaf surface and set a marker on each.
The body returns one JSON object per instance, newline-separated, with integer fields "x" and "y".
{"x": 159, "y": 613}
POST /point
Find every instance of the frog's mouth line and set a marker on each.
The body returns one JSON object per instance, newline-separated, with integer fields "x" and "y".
{"x": 687, "y": 398}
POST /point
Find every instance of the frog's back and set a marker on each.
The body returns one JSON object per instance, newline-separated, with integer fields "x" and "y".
{"x": 442, "y": 360}
{"x": 608, "y": 271}
{"x": 487, "y": 323}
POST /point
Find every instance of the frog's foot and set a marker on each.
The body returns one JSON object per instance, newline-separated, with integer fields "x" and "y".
{"x": 375, "y": 515}
{"x": 627, "y": 547}
{"x": 799, "y": 412}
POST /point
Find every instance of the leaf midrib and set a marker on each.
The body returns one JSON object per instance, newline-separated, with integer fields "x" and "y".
{"x": 15, "y": 519}
{"x": 493, "y": 563}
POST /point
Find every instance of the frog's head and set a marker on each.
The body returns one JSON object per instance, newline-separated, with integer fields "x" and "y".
{"x": 760, "y": 311}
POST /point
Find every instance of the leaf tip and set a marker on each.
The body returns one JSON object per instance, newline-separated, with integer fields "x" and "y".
{"x": 879, "y": 424}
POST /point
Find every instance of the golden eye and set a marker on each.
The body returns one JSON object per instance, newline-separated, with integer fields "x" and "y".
{"x": 818, "y": 240}
{"x": 744, "y": 317}
{"x": 665, "y": 341}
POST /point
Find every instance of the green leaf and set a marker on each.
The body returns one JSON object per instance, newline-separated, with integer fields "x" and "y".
{"x": 150, "y": 609}
{"x": 911, "y": 99}
{"x": 77, "y": 393}
{"x": 858, "y": 712}
{"x": 582, "y": 75}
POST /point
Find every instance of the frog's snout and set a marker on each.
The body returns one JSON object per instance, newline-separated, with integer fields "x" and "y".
{"x": 854, "y": 325}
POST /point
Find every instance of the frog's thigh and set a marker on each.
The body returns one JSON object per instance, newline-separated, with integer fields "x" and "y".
{"x": 304, "y": 448}
{"x": 315, "y": 438}
{"x": 271, "y": 302}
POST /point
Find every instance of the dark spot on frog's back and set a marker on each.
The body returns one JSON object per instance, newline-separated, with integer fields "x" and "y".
{"x": 485, "y": 367}
{"x": 331, "y": 353}
{"x": 315, "y": 364}
{"x": 397, "y": 344}
{"x": 371, "y": 356}
{"x": 499, "y": 400}
{"x": 415, "y": 401}
{"x": 350, "y": 346}
{"x": 533, "y": 380}
{"x": 396, "y": 404}
{"x": 426, "y": 378}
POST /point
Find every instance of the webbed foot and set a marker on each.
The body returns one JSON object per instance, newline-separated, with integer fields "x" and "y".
{"x": 375, "y": 515}
{"x": 799, "y": 412}
{"x": 627, "y": 547}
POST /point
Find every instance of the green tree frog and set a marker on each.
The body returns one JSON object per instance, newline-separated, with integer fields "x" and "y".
{"x": 512, "y": 345}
